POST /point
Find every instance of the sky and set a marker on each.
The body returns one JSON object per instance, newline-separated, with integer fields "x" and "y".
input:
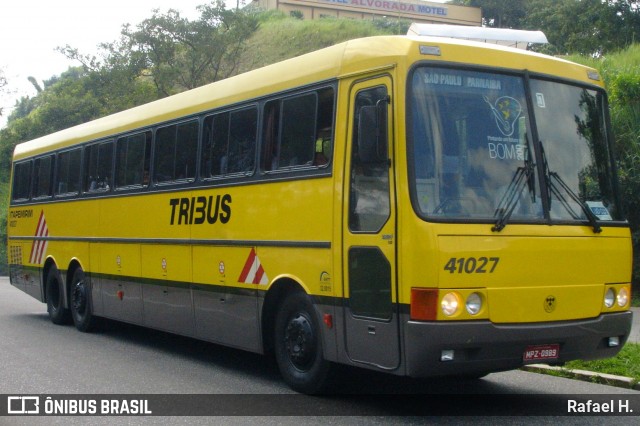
{"x": 30, "y": 31}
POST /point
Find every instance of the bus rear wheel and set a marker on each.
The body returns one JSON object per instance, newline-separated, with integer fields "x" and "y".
{"x": 81, "y": 302}
{"x": 298, "y": 345}
{"x": 54, "y": 292}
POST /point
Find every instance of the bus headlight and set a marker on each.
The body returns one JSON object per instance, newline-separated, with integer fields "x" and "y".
{"x": 450, "y": 303}
{"x": 474, "y": 303}
{"x": 623, "y": 297}
{"x": 609, "y": 298}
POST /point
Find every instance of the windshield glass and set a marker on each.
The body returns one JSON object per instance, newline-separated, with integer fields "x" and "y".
{"x": 471, "y": 146}
{"x": 472, "y": 153}
{"x": 571, "y": 128}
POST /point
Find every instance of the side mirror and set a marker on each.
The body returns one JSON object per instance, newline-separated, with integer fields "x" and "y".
{"x": 372, "y": 133}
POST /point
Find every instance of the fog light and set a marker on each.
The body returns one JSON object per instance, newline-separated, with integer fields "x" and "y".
{"x": 609, "y": 298}
{"x": 614, "y": 341}
{"x": 474, "y": 303}
{"x": 446, "y": 355}
{"x": 623, "y": 297}
{"x": 449, "y": 304}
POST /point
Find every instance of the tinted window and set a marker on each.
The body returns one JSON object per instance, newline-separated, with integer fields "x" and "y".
{"x": 42, "y": 176}
{"x": 21, "y": 181}
{"x": 98, "y": 166}
{"x": 132, "y": 161}
{"x": 229, "y": 143}
{"x": 297, "y": 131}
{"x": 175, "y": 152}
{"x": 68, "y": 179}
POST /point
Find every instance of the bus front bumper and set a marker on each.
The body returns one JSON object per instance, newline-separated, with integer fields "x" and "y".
{"x": 476, "y": 348}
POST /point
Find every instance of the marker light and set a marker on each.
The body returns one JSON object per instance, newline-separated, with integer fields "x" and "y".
{"x": 609, "y": 298}
{"x": 623, "y": 297}
{"x": 424, "y": 304}
{"x": 474, "y": 303}
{"x": 449, "y": 304}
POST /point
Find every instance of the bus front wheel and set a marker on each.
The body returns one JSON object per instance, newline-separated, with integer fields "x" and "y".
{"x": 54, "y": 291}
{"x": 81, "y": 302}
{"x": 298, "y": 345}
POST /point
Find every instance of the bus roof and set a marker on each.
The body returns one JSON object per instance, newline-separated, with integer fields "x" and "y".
{"x": 344, "y": 59}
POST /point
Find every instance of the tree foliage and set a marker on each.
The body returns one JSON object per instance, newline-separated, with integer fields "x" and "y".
{"x": 173, "y": 52}
{"x": 572, "y": 26}
{"x": 160, "y": 56}
{"x": 499, "y": 13}
{"x": 3, "y": 85}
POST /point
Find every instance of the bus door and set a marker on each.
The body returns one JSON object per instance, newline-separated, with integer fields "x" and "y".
{"x": 369, "y": 221}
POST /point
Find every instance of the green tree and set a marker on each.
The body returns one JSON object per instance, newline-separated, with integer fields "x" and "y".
{"x": 572, "y": 26}
{"x": 3, "y": 85}
{"x": 589, "y": 27}
{"x": 175, "y": 53}
{"x": 499, "y": 13}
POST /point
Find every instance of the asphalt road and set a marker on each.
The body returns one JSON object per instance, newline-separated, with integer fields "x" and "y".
{"x": 38, "y": 357}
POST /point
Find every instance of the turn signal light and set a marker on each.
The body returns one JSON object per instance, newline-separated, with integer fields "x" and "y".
{"x": 424, "y": 304}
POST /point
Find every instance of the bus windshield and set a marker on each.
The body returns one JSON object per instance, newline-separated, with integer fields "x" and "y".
{"x": 473, "y": 149}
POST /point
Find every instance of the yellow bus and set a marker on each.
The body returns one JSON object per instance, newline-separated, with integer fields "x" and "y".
{"x": 416, "y": 205}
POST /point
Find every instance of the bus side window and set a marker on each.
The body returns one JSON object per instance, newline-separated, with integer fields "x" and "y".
{"x": 175, "y": 152}
{"x": 68, "y": 175}
{"x": 215, "y": 145}
{"x": 21, "y": 181}
{"x": 242, "y": 141}
{"x": 297, "y": 131}
{"x": 98, "y": 166}
{"x": 43, "y": 177}
{"x": 187, "y": 150}
{"x": 324, "y": 128}
{"x": 270, "y": 136}
{"x": 132, "y": 160}
{"x": 298, "y": 128}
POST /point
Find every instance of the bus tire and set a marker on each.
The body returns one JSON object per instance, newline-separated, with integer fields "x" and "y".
{"x": 54, "y": 291}
{"x": 298, "y": 345}
{"x": 80, "y": 302}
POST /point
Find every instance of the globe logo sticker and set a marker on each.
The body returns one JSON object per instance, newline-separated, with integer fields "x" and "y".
{"x": 506, "y": 110}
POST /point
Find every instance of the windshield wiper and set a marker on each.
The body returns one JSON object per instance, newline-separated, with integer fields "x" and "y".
{"x": 523, "y": 176}
{"x": 550, "y": 177}
{"x": 593, "y": 219}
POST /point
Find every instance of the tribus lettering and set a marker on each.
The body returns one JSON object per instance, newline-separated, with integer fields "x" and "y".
{"x": 198, "y": 210}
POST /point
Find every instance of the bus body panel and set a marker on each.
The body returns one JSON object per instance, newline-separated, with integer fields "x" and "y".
{"x": 214, "y": 258}
{"x": 520, "y": 272}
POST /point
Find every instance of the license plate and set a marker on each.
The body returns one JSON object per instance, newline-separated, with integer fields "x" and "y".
{"x": 541, "y": 352}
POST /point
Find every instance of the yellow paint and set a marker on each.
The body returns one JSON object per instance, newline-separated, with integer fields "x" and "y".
{"x": 570, "y": 263}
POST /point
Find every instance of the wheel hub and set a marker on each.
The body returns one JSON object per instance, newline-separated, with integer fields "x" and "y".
{"x": 300, "y": 341}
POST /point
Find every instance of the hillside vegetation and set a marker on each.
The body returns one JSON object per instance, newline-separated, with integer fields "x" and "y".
{"x": 280, "y": 37}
